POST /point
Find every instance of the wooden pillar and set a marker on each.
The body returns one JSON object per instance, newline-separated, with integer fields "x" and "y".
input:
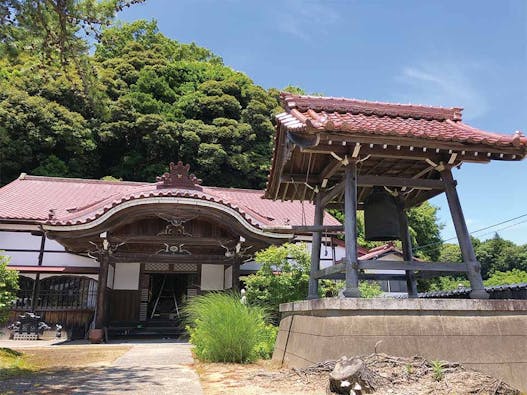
{"x": 36, "y": 284}
{"x": 100, "y": 314}
{"x": 465, "y": 244}
{"x": 350, "y": 232}
{"x": 236, "y": 274}
{"x": 315, "y": 248}
{"x": 408, "y": 255}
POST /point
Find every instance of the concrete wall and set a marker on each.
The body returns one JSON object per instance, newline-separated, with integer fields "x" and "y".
{"x": 486, "y": 335}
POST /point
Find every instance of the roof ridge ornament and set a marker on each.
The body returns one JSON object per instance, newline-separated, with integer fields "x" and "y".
{"x": 178, "y": 177}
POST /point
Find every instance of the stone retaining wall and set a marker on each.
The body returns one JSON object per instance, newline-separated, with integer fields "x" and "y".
{"x": 486, "y": 335}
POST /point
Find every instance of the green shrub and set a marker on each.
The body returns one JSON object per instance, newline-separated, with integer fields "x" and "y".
{"x": 8, "y": 287}
{"x": 222, "y": 329}
{"x": 264, "y": 348}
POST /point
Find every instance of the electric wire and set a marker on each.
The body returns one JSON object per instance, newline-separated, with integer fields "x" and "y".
{"x": 431, "y": 245}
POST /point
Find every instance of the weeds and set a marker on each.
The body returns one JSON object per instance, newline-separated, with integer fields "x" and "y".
{"x": 437, "y": 370}
{"x": 222, "y": 329}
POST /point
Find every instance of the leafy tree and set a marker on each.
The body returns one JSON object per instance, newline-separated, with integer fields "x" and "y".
{"x": 8, "y": 287}
{"x": 425, "y": 230}
{"x": 513, "y": 276}
{"x": 173, "y": 101}
{"x": 498, "y": 254}
{"x": 369, "y": 289}
{"x": 38, "y": 134}
{"x": 450, "y": 253}
{"x": 142, "y": 101}
{"x": 55, "y": 28}
{"x": 283, "y": 276}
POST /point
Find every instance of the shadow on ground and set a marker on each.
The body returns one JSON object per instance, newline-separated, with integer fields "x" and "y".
{"x": 96, "y": 380}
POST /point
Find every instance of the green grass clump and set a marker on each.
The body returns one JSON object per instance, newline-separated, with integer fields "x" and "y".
{"x": 13, "y": 363}
{"x": 222, "y": 329}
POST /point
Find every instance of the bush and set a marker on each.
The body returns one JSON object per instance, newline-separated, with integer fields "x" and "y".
{"x": 283, "y": 276}
{"x": 222, "y": 329}
{"x": 8, "y": 287}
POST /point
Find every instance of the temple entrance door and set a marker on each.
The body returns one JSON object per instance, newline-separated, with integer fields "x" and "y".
{"x": 167, "y": 293}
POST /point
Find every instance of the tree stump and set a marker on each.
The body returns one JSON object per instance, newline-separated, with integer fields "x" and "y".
{"x": 351, "y": 376}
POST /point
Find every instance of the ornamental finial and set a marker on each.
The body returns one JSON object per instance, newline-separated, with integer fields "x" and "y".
{"x": 178, "y": 177}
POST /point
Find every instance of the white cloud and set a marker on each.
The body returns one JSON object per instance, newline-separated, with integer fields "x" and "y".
{"x": 444, "y": 84}
{"x": 304, "y": 19}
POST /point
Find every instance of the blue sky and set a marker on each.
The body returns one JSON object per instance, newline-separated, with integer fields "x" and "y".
{"x": 467, "y": 53}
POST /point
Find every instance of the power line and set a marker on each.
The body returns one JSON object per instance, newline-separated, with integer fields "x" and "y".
{"x": 428, "y": 246}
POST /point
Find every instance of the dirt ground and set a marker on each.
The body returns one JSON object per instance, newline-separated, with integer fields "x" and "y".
{"x": 72, "y": 356}
{"x": 53, "y": 370}
{"x": 394, "y": 376}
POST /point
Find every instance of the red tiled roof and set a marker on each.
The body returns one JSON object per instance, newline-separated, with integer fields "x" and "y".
{"x": 310, "y": 113}
{"x": 380, "y": 250}
{"x": 77, "y": 201}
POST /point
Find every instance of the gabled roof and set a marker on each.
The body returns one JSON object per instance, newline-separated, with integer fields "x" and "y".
{"x": 313, "y": 113}
{"x": 77, "y": 201}
{"x": 315, "y": 137}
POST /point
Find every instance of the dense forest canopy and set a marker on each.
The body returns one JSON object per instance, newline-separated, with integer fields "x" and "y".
{"x": 83, "y": 96}
{"x": 140, "y": 101}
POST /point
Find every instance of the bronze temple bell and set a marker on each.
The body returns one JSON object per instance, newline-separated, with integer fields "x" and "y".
{"x": 381, "y": 216}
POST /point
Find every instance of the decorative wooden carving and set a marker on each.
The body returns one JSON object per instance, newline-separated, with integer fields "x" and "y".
{"x": 174, "y": 249}
{"x": 176, "y": 226}
{"x": 179, "y": 177}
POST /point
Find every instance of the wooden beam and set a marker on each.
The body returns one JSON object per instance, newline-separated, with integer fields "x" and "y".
{"x": 171, "y": 258}
{"x": 331, "y": 168}
{"x": 170, "y": 239}
{"x": 465, "y": 244}
{"x": 36, "y": 283}
{"x": 333, "y": 193}
{"x": 351, "y": 289}
{"x": 381, "y": 265}
{"x": 236, "y": 274}
{"x": 417, "y": 183}
{"x": 413, "y": 265}
{"x": 100, "y": 312}
{"x": 328, "y": 272}
{"x": 293, "y": 229}
{"x": 371, "y": 180}
{"x": 407, "y": 142}
{"x": 315, "y": 248}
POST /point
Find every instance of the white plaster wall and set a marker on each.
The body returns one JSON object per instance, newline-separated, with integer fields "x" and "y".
{"x": 228, "y": 278}
{"x": 25, "y": 240}
{"x": 126, "y": 276}
{"x": 212, "y": 277}
{"x": 388, "y": 257}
